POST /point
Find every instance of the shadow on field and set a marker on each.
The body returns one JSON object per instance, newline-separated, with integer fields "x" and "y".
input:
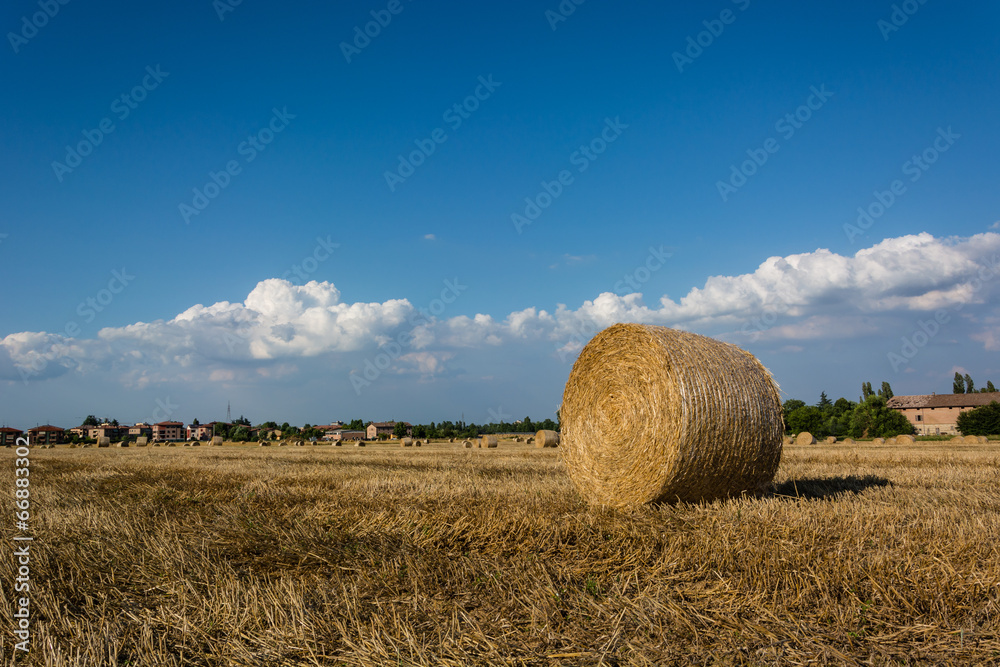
{"x": 828, "y": 487}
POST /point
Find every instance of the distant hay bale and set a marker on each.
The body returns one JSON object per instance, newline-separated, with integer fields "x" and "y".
{"x": 489, "y": 442}
{"x": 905, "y": 440}
{"x": 406, "y": 442}
{"x": 656, "y": 414}
{"x": 337, "y": 443}
{"x": 891, "y": 440}
{"x": 264, "y": 443}
{"x": 957, "y": 440}
{"x": 157, "y": 444}
{"x": 171, "y": 444}
{"x": 359, "y": 443}
{"x": 141, "y": 441}
{"x": 983, "y": 439}
{"x": 531, "y": 440}
{"x": 104, "y": 442}
{"x": 217, "y": 441}
{"x": 72, "y": 445}
{"x": 849, "y": 441}
{"x": 805, "y": 438}
{"x": 467, "y": 444}
{"x": 546, "y": 439}
{"x": 787, "y": 440}
{"x": 196, "y": 444}
{"x": 878, "y": 441}
{"x": 123, "y": 443}
{"x": 830, "y": 440}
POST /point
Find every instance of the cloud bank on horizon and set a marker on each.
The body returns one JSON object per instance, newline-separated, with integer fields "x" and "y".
{"x": 281, "y": 329}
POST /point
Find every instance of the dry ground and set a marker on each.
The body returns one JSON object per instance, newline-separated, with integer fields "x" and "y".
{"x": 439, "y": 555}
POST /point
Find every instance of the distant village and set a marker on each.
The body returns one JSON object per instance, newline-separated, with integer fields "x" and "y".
{"x": 240, "y": 430}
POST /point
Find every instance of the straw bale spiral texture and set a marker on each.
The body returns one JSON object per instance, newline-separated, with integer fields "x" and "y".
{"x": 467, "y": 444}
{"x": 406, "y": 442}
{"x": 489, "y": 442}
{"x": 546, "y": 439}
{"x": 655, "y": 414}
{"x": 805, "y": 438}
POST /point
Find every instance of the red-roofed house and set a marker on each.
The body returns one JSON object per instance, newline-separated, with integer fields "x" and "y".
{"x": 46, "y": 435}
{"x": 9, "y": 436}
{"x": 168, "y": 432}
{"x": 937, "y": 414}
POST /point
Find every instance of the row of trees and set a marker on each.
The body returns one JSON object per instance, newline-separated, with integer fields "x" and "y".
{"x": 964, "y": 385}
{"x": 867, "y": 418}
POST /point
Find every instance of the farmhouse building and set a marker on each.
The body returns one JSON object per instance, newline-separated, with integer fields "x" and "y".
{"x": 377, "y": 429}
{"x": 343, "y": 434}
{"x": 937, "y": 414}
{"x": 141, "y": 429}
{"x": 9, "y": 436}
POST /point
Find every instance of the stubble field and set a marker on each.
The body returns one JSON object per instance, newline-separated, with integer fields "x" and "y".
{"x": 445, "y": 556}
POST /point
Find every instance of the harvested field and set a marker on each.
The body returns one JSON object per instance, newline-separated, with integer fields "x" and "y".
{"x": 443, "y": 555}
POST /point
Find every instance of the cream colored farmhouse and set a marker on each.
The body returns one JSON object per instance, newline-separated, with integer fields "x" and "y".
{"x": 937, "y": 414}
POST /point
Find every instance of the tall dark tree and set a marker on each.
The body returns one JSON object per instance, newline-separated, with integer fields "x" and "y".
{"x": 866, "y": 391}
{"x": 825, "y": 403}
{"x": 91, "y": 420}
{"x": 989, "y": 387}
{"x": 886, "y": 391}
{"x": 958, "y": 384}
{"x": 970, "y": 386}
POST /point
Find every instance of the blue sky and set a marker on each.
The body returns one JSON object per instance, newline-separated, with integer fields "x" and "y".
{"x": 200, "y": 314}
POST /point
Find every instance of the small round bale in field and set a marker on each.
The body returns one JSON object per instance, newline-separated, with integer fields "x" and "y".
{"x": 805, "y": 438}
{"x": 489, "y": 442}
{"x": 359, "y": 443}
{"x": 406, "y": 442}
{"x": 264, "y": 443}
{"x": 878, "y": 441}
{"x": 531, "y": 440}
{"x": 656, "y": 414}
{"x": 104, "y": 442}
{"x": 217, "y": 441}
{"x": 983, "y": 439}
{"x": 467, "y": 444}
{"x": 905, "y": 440}
{"x": 891, "y": 440}
{"x": 830, "y": 440}
{"x": 849, "y": 441}
{"x": 787, "y": 440}
{"x": 123, "y": 443}
{"x": 141, "y": 441}
{"x": 546, "y": 439}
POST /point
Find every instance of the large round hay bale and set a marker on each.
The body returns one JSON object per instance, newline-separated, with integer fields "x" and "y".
{"x": 406, "y": 442}
{"x": 467, "y": 444}
{"x": 805, "y": 438}
{"x": 489, "y": 442}
{"x": 217, "y": 441}
{"x": 905, "y": 440}
{"x": 878, "y": 441}
{"x": 655, "y": 414}
{"x": 141, "y": 441}
{"x": 849, "y": 441}
{"x": 104, "y": 442}
{"x": 546, "y": 439}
